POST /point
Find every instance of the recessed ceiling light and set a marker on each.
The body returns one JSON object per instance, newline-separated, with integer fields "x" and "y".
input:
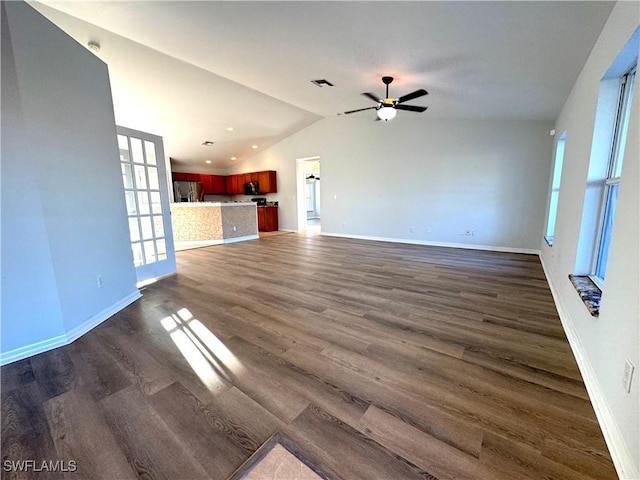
{"x": 207, "y": 161}
{"x": 254, "y": 146}
{"x": 207, "y": 143}
{"x": 230, "y": 129}
{"x": 234, "y": 158}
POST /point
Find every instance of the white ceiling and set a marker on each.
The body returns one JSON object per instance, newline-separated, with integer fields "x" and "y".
{"x": 188, "y": 70}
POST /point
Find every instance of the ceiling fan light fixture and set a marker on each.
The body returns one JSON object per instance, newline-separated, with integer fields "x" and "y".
{"x": 386, "y": 113}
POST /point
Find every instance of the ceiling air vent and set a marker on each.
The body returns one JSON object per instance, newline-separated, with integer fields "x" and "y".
{"x": 322, "y": 82}
{"x": 207, "y": 143}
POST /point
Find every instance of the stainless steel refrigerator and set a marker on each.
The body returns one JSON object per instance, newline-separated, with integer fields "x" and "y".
{"x": 188, "y": 192}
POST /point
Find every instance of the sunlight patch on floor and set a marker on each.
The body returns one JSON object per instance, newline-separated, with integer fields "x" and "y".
{"x": 209, "y": 358}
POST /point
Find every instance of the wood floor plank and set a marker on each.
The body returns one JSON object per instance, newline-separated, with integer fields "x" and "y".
{"x": 331, "y": 398}
{"x": 425, "y": 451}
{"x": 75, "y": 425}
{"x": 151, "y": 448}
{"x": 98, "y": 374}
{"x": 410, "y": 408}
{"x": 372, "y": 360}
{"x": 206, "y": 434}
{"x": 342, "y": 448}
{"x": 236, "y": 408}
{"x": 25, "y": 431}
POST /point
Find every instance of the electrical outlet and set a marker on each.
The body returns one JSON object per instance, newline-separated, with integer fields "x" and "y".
{"x": 235, "y": 228}
{"x": 412, "y": 229}
{"x": 468, "y": 233}
{"x": 428, "y": 229}
{"x": 628, "y": 375}
{"x": 100, "y": 281}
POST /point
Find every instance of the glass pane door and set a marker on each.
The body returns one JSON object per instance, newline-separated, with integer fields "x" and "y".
{"x": 147, "y": 199}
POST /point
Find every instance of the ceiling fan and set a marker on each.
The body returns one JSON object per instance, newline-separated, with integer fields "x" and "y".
{"x": 387, "y": 107}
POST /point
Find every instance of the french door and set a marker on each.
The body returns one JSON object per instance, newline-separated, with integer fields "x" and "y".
{"x": 147, "y": 198}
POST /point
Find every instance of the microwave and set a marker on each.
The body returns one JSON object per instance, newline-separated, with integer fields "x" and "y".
{"x": 251, "y": 188}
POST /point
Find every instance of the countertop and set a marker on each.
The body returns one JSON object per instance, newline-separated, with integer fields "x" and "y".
{"x": 210, "y": 204}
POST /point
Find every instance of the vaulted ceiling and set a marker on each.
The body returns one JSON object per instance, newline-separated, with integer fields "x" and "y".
{"x": 190, "y": 70}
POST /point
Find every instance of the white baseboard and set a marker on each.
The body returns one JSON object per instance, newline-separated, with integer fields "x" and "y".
{"x": 73, "y": 334}
{"x": 186, "y": 245}
{"x": 491, "y": 248}
{"x": 240, "y": 239}
{"x": 620, "y": 454}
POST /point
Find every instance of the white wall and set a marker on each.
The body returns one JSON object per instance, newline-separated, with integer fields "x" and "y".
{"x": 379, "y": 179}
{"x": 602, "y": 344}
{"x": 63, "y": 213}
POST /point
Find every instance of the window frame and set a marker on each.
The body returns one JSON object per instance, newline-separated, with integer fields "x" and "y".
{"x": 614, "y": 173}
{"x": 556, "y": 179}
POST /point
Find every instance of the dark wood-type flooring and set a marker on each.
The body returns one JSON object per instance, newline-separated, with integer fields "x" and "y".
{"x": 374, "y": 360}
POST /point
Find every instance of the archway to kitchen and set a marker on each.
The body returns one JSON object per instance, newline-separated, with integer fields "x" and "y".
{"x": 308, "y": 195}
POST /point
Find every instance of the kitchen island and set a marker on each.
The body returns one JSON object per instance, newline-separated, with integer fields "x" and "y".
{"x": 200, "y": 224}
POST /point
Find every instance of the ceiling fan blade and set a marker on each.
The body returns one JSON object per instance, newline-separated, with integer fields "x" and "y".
{"x": 410, "y": 108}
{"x": 359, "y": 110}
{"x": 372, "y": 97}
{"x": 412, "y": 95}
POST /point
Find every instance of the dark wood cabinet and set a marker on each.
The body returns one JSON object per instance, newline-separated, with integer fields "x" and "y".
{"x": 211, "y": 184}
{"x": 218, "y": 184}
{"x": 267, "y": 219}
{"x": 230, "y": 184}
{"x": 185, "y": 177}
{"x": 267, "y": 181}
{"x": 207, "y": 184}
{"x": 234, "y": 184}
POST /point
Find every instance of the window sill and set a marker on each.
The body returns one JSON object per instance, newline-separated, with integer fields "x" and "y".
{"x": 589, "y": 292}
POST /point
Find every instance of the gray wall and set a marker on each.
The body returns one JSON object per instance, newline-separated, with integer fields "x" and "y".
{"x": 380, "y": 179}
{"x": 602, "y": 344}
{"x": 63, "y": 213}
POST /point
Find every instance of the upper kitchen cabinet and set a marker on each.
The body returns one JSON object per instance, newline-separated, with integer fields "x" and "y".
{"x": 213, "y": 184}
{"x": 230, "y": 184}
{"x": 207, "y": 184}
{"x": 267, "y": 181}
{"x": 219, "y": 185}
{"x": 185, "y": 177}
{"x": 235, "y": 184}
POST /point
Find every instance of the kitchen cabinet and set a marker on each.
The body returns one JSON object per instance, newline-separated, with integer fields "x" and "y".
{"x": 267, "y": 219}
{"x": 267, "y": 181}
{"x": 219, "y": 186}
{"x": 235, "y": 184}
{"x": 185, "y": 177}
{"x": 230, "y": 184}
{"x": 207, "y": 184}
{"x": 213, "y": 184}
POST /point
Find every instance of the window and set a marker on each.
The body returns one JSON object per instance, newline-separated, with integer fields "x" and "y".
{"x": 555, "y": 189}
{"x": 612, "y": 180}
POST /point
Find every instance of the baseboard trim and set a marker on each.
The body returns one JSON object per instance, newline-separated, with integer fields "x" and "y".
{"x": 491, "y": 248}
{"x": 67, "y": 338}
{"x": 187, "y": 245}
{"x": 240, "y": 239}
{"x": 622, "y": 458}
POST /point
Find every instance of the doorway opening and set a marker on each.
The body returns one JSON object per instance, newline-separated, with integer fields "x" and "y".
{"x": 309, "y": 198}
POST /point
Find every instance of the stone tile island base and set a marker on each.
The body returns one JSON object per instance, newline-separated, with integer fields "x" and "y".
{"x": 200, "y": 224}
